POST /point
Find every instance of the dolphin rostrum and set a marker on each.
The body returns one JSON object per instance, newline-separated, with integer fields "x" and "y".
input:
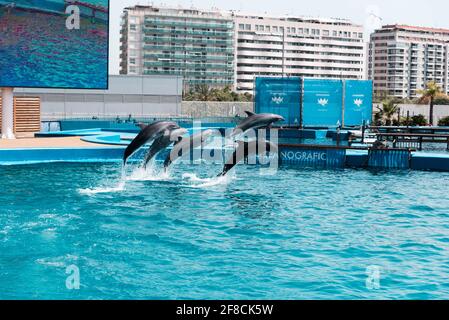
{"x": 187, "y": 144}
{"x": 166, "y": 139}
{"x": 246, "y": 149}
{"x": 148, "y": 133}
{"x": 256, "y": 121}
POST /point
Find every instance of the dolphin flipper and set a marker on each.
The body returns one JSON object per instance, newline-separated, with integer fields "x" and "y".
{"x": 141, "y": 125}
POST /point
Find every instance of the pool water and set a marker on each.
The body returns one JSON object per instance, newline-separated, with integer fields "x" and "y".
{"x": 299, "y": 234}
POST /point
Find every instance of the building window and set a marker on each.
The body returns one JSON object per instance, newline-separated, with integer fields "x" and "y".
{"x": 275, "y": 29}
{"x": 325, "y": 33}
{"x": 248, "y": 27}
{"x": 306, "y": 31}
{"x": 241, "y": 27}
{"x": 288, "y": 30}
{"x": 132, "y": 27}
{"x": 293, "y": 30}
{"x": 132, "y": 61}
{"x": 268, "y": 28}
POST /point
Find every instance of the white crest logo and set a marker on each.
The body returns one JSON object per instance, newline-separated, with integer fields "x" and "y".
{"x": 323, "y": 102}
{"x": 358, "y": 102}
{"x": 277, "y": 100}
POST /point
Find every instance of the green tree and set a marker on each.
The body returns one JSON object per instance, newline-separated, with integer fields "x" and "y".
{"x": 444, "y": 122}
{"x": 387, "y": 111}
{"x": 430, "y": 93}
{"x": 205, "y": 93}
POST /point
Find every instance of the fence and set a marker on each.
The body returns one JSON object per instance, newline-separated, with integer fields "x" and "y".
{"x": 198, "y": 109}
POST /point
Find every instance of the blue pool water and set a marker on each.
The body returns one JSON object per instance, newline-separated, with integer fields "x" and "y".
{"x": 300, "y": 234}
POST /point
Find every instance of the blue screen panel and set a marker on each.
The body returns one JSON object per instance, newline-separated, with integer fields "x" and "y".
{"x": 54, "y": 44}
{"x": 322, "y": 104}
{"x": 280, "y": 96}
{"x": 358, "y": 102}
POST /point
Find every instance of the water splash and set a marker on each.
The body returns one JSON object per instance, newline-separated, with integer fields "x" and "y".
{"x": 93, "y": 191}
{"x": 197, "y": 182}
{"x": 118, "y": 187}
{"x": 151, "y": 173}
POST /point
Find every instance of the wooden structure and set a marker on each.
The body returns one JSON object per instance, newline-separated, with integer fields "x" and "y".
{"x": 27, "y": 115}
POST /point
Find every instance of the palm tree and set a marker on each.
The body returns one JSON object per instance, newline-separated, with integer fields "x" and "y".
{"x": 388, "y": 110}
{"x": 204, "y": 92}
{"x": 430, "y": 93}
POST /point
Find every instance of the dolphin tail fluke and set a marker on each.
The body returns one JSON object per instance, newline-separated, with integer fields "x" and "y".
{"x": 226, "y": 169}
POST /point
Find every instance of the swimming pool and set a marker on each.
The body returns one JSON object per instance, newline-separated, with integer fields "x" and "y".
{"x": 300, "y": 234}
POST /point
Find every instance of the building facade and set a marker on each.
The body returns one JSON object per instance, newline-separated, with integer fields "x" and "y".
{"x": 196, "y": 45}
{"x": 228, "y": 48}
{"x": 402, "y": 59}
{"x": 315, "y": 48}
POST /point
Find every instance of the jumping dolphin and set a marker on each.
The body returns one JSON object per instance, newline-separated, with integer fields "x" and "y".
{"x": 148, "y": 133}
{"x": 245, "y": 149}
{"x": 187, "y": 144}
{"x": 256, "y": 121}
{"x": 166, "y": 139}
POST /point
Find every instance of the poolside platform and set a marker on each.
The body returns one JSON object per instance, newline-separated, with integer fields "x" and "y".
{"x": 36, "y": 143}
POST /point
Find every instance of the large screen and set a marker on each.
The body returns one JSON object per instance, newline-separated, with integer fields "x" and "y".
{"x": 54, "y": 44}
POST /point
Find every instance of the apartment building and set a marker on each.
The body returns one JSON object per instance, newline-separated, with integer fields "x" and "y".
{"x": 230, "y": 48}
{"x": 197, "y": 45}
{"x": 402, "y": 59}
{"x": 286, "y": 46}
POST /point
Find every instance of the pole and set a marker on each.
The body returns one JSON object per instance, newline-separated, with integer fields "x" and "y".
{"x": 301, "y": 104}
{"x": 8, "y": 113}
{"x": 343, "y": 95}
{"x": 408, "y": 118}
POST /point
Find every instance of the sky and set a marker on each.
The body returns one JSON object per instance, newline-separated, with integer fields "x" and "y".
{"x": 371, "y": 13}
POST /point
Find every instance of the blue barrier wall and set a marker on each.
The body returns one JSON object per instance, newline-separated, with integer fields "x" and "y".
{"x": 358, "y": 102}
{"x": 280, "y": 96}
{"x": 322, "y": 104}
{"x": 313, "y": 158}
{"x": 389, "y": 159}
{"x": 321, "y": 100}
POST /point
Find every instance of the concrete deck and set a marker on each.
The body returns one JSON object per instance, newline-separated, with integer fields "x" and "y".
{"x": 38, "y": 143}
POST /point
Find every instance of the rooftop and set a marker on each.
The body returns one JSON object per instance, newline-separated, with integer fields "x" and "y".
{"x": 229, "y": 13}
{"x": 415, "y": 28}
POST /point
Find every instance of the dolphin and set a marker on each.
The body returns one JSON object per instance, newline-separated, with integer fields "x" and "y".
{"x": 256, "y": 121}
{"x": 148, "y": 133}
{"x": 186, "y": 144}
{"x": 169, "y": 136}
{"x": 245, "y": 149}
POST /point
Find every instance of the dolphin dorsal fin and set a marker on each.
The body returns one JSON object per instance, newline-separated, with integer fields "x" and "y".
{"x": 142, "y": 126}
{"x": 250, "y": 113}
